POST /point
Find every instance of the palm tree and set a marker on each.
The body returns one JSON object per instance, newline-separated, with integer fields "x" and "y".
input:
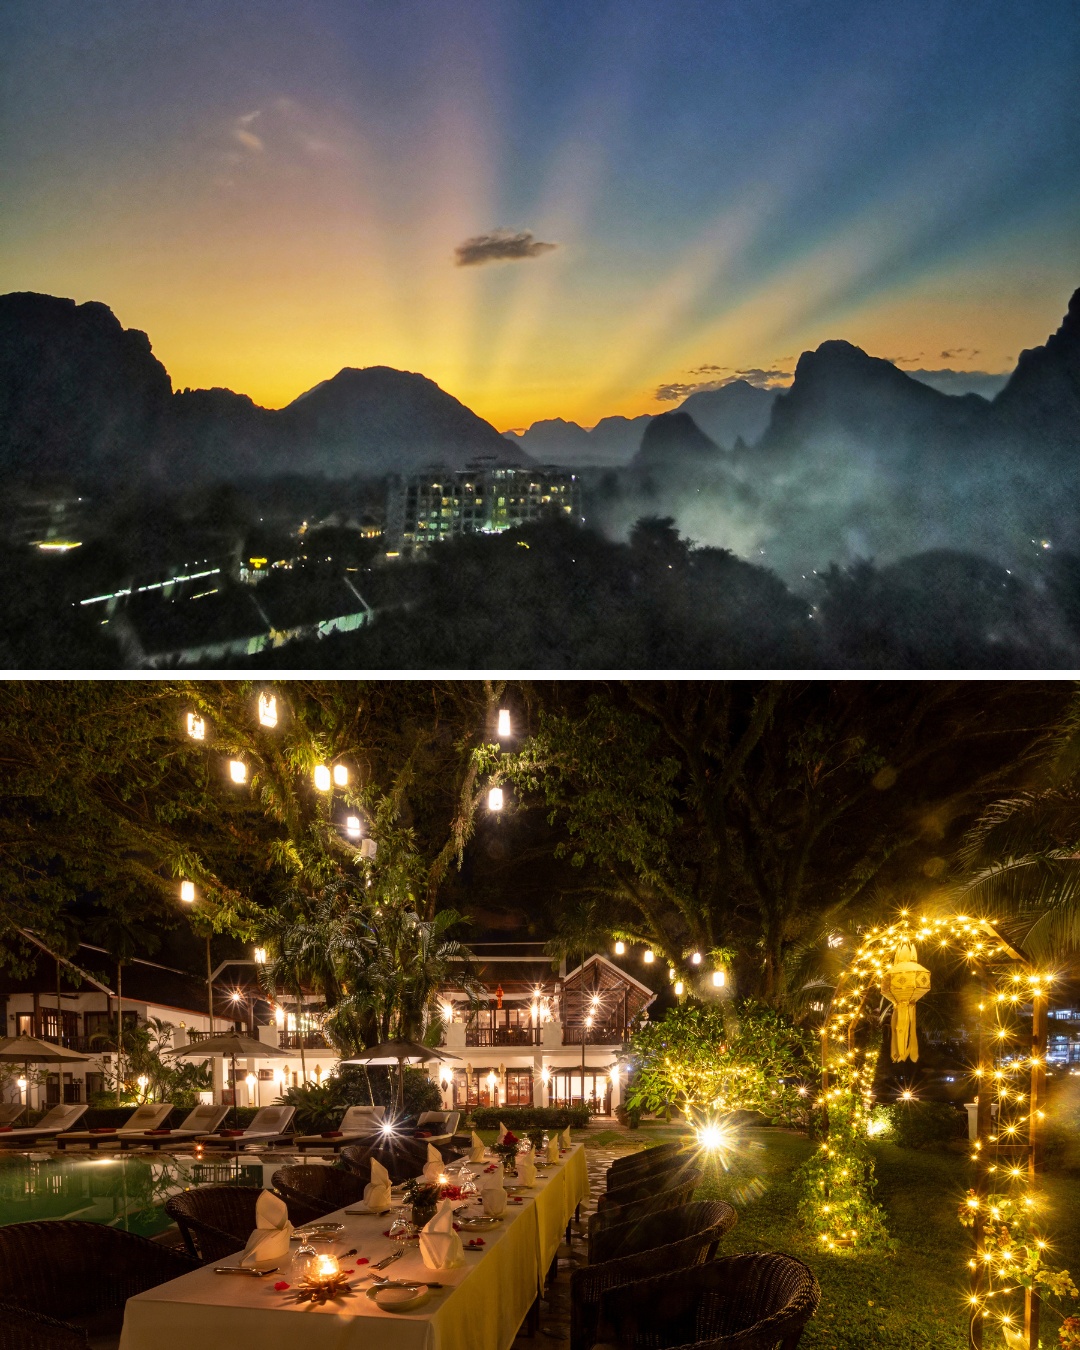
{"x": 122, "y": 935}
{"x": 1021, "y": 858}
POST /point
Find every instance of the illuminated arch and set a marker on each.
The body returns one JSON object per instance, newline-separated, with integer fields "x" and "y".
{"x": 1002, "y": 1207}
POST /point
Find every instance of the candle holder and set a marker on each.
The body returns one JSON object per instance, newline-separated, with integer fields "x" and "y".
{"x": 324, "y": 1281}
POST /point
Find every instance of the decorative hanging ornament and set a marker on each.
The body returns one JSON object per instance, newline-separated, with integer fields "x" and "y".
{"x": 903, "y": 984}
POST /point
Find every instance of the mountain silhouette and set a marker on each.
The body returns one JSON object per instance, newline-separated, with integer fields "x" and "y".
{"x": 84, "y": 400}
{"x": 1042, "y": 397}
{"x": 672, "y": 439}
{"x": 735, "y": 411}
{"x": 612, "y": 442}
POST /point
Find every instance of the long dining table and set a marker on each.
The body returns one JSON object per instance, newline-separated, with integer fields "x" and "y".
{"x": 481, "y": 1305}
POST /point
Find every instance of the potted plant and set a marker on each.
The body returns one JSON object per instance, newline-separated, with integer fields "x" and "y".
{"x": 423, "y": 1197}
{"x": 506, "y": 1152}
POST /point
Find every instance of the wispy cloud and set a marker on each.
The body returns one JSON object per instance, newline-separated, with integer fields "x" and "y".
{"x": 243, "y": 135}
{"x": 764, "y": 379}
{"x": 500, "y": 246}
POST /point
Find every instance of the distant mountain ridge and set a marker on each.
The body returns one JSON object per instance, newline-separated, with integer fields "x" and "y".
{"x": 84, "y": 399}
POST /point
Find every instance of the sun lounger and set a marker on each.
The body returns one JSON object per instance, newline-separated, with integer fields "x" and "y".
{"x": 358, "y": 1122}
{"x": 146, "y": 1117}
{"x": 270, "y": 1126}
{"x": 59, "y": 1118}
{"x": 10, "y": 1112}
{"x": 438, "y": 1126}
{"x": 200, "y": 1121}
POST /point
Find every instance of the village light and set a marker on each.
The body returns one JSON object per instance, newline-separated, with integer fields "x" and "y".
{"x": 678, "y": 988}
{"x": 352, "y": 826}
{"x": 187, "y": 892}
{"x": 649, "y": 957}
{"x": 238, "y": 770}
{"x": 260, "y": 956}
{"x": 322, "y": 778}
{"x": 267, "y": 710}
{"x": 719, "y": 979}
{"x": 495, "y": 799}
{"x": 196, "y": 727}
{"x": 504, "y": 721}
{"x": 620, "y": 947}
{"x": 696, "y": 959}
{"x": 341, "y": 775}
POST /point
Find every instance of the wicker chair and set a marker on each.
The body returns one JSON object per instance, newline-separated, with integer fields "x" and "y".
{"x": 318, "y": 1188}
{"x": 635, "y": 1210}
{"x": 667, "y": 1174}
{"x": 760, "y": 1301}
{"x": 216, "y": 1221}
{"x": 402, "y": 1158}
{"x": 670, "y": 1240}
{"x": 83, "y": 1273}
{"x": 623, "y": 1170}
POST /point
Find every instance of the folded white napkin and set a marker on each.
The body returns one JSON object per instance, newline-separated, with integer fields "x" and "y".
{"x": 526, "y": 1167}
{"x": 492, "y": 1192}
{"x": 269, "y": 1243}
{"x": 503, "y": 1132}
{"x": 476, "y": 1148}
{"x": 434, "y": 1167}
{"x": 440, "y": 1246}
{"x": 377, "y": 1191}
{"x": 564, "y": 1138}
{"x": 553, "y": 1149}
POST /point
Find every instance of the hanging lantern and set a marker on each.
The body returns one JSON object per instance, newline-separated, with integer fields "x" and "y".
{"x": 495, "y": 799}
{"x": 504, "y": 721}
{"x": 260, "y": 956}
{"x": 620, "y": 947}
{"x": 678, "y": 988}
{"x": 649, "y": 957}
{"x": 238, "y": 770}
{"x": 903, "y": 984}
{"x": 187, "y": 892}
{"x": 322, "y": 777}
{"x": 368, "y": 849}
{"x": 719, "y": 979}
{"x": 267, "y": 710}
{"x": 696, "y": 959}
{"x": 352, "y": 826}
{"x": 196, "y": 727}
{"x": 341, "y": 775}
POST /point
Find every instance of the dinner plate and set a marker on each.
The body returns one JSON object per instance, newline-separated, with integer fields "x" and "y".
{"x": 399, "y": 1300}
{"x": 478, "y": 1223}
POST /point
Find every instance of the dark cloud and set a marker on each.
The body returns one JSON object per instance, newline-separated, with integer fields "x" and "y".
{"x": 984, "y": 383}
{"x": 500, "y": 246}
{"x": 959, "y": 353}
{"x": 764, "y": 379}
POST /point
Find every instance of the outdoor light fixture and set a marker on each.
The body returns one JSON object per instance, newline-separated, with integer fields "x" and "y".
{"x": 21, "y": 1083}
{"x": 187, "y": 892}
{"x": 236, "y": 996}
{"x": 678, "y": 988}
{"x": 719, "y": 979}
{"x": 267, "y": 710}
{"x": 713, "y": 1138}
{"x": 238, "y": 770}
{"x": 614, "y": 1075}
{"x": 368, "y": 848}
{"x": 448, "y": 1012}
{"x": 196, "y": 727}
{"x": 352, "y": 826}
{"x": 491, "y": 1081}
{"x": 696, "y": 959}
{"x": 620, "y": 947}
{"x": 545, "y": 1075}
{"x": 260, "y": 956}
{"x": 322, "y": 777}
{"x": 341, "y": 775}
{"x": 495, "y": 799}
{"x": 143, "y": 1083}
{"x": 671, "y": 972}
{"x": 589, "y": 1020}
{"x": 504, "y": 721}
{"x": 279, "y": 1016}
{"x": 648, "y": 958}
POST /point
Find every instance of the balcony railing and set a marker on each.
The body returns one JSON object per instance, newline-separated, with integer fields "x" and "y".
{"x": 611, "y": 1034}
{"x": 311, "y": 1040}
{"x": 485, "y": 1037}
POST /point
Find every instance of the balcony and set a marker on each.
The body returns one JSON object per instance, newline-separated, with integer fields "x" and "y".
{"x": 487, "y": 1037}
{"x": 308, "y": 1040}
{"x": 613, "y": 1033}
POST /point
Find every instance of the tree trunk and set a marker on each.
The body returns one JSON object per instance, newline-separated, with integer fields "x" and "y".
{"x": 300, "y": 1032}
{"x": 119, "y": 1031}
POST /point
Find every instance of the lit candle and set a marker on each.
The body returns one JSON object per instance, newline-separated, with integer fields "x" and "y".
{"x": 326, "y": 1268}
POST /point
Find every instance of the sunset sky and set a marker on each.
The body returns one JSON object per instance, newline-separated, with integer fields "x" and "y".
{"x": 275, "y": 190}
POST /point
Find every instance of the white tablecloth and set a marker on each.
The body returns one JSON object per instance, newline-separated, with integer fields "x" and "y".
{"x": 481, "y": 1308}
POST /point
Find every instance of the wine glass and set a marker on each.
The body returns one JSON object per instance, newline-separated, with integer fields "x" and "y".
{"x": 400, "y": 1227}
{"x": 303, "y": 1262}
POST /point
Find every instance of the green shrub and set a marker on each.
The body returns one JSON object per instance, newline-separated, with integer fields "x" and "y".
{"x": 523, "y": 1118}
{"x": 320, "y": 1106}
{"x": 926, "y": 1124}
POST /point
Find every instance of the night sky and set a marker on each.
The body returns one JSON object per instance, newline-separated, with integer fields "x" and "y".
{"x": 275, "y": 190}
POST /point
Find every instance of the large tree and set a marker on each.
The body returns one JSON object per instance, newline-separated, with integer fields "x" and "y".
{"x": 750, "y": 816}
{"x": 103, "y": 792}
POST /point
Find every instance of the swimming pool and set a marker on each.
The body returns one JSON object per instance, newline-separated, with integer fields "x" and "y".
{"x": 123, "y": 1190}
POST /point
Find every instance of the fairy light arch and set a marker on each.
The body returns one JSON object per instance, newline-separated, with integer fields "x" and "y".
{"x": 1003, "y": 1207}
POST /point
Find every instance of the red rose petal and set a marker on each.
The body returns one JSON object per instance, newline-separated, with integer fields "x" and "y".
{"x": 361, "y": 1260}
{"x": 281, "y": 1284}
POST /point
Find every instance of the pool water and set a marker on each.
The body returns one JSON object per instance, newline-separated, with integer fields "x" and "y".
{"x": 124, "y": 1190}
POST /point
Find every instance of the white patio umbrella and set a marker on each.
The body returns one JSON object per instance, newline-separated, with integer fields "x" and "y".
{"x": 399, "y": 1053}
{"x": 27, "y": 1050}
{"x": 231, "y": 1044}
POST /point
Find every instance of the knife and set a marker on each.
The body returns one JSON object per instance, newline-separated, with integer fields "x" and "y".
{"x": 394, "y": 1256}
{"x": 243, "y": 1270}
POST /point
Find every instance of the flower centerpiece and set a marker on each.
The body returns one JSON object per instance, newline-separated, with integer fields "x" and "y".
{"x": 423, "y": 1196}
{"x": 506, "y": 1151}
